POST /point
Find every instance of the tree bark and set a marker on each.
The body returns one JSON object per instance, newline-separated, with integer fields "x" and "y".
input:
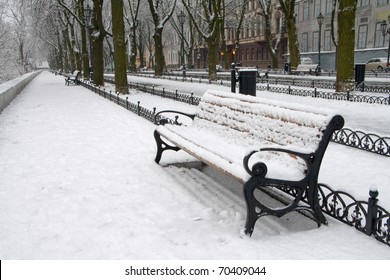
{"x": 346, "y": 46}
{"x": 97, "y": 37}
{"x": 159, "y": 55}
{"x": 118, "y": 30}
{"x": 288, "y": 7}
{"x": 84, "y": 51}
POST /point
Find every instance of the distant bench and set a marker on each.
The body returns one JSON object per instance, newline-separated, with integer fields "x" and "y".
{"x": 73, "y": 78}
{"x": 311, "y": 69}
{"x": 261, "y": 143}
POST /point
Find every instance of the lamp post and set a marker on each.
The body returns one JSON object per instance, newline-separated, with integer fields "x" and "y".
{"x": 320, "y": 20}
{"x": 386, "y": 31}
{"x": 182, "y": 18}
{"x": 88, "y": 18}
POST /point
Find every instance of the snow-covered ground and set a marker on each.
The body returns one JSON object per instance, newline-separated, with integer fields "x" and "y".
{"x": 78, "y": 181}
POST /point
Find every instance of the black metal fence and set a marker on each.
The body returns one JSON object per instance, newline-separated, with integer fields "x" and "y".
{"x": 287, "y": 80}
{"x": 365, "y": 141}
{"x": 308, "y": 92}
{"x": 367, "y": 217}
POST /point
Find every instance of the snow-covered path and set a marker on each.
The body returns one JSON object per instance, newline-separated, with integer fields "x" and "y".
{"x": 78, "y": 181}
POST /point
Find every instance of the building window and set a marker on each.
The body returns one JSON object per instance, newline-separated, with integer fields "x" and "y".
{"x": 317, "y": 8}
{"x": 379, "y": 40}
{"x": 305, "y": 42}
{"x": 362, "y": 36}
{"x": 364, "y": 3}
{"x": 314, "y": 46}
{"x": 305, "y": 10}
{"x": 278, "y": 24}
{"x": 382, "y": 2}
{"x": 327, "y": 40}
{"x": 297, "y": 12}
{"x": 329, "y": 6}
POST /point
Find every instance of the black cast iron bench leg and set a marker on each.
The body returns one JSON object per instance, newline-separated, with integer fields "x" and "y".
{"x": 162, "y": 146}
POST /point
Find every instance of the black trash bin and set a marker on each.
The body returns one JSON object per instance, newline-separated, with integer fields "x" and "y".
{"x": 287, "y": 67}
{"x": 360, "y": 70}
{"x": 247, "y": 79}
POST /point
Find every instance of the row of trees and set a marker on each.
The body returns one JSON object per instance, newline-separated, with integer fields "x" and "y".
{"x": 17, "y": 47}
{"x": 85, "y": 34}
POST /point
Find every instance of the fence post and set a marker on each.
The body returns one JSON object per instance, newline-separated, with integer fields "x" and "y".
{"x": 138, "y": 107}
{"x": 163, "y": 93}
{"x": 315, "y": 92}
{"x": 176, "y": 95}
{"x": 192, "y": 98}
{"x": 289, "y": 89}
{"x": 389, "y": 100}
{"x": 372, "y": 212}
{"x": 348, "y": 95}
{"x": 127, "y": 102}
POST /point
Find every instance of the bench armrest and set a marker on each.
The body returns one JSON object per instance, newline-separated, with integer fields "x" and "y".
{"x": 159, "y": 119}
{"x": 260, "y": 168}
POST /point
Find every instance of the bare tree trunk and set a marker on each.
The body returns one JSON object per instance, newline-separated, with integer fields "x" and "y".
{"x": 133, "y": 22}
{"x": 84, "y": 51}
{"x": 118, "y": 30}
{"x": 98, "y": 34}
{"x": 346, "y": 46}
{"x": 212, "y": 44}
{"x": 267, "y": 15}
{"x": 159, "y": 55}
{"x": 159, "y": 21}
{"x": 212, "y": 20}
{"x": 288, "y": 7}
{"x": 133, "y": 54}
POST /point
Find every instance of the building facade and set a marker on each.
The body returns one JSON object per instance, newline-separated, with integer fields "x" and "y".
{"x": 369, "y": 40}
{"x": 251, "y": 49}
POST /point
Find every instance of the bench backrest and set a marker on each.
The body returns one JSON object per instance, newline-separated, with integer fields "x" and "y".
{"x": 257, "y": 122}
{"x": 307, "y": 67}
{"x": 76, "y": 73}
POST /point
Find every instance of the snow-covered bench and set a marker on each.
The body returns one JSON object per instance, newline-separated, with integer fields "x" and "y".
{"x": 311, "y": 69}
{"x": 73, "y": 78}
{"x": 262, "y": 143}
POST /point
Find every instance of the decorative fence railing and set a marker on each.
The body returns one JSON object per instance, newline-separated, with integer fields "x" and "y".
{"x": 287, "y": 80}
{"x": 384, "y": 100}
{"x": 367, "y": 217}
{"x": 290, "y": 86}
{"x": 365, "y": 141}
{"x": 356, "y": 139}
